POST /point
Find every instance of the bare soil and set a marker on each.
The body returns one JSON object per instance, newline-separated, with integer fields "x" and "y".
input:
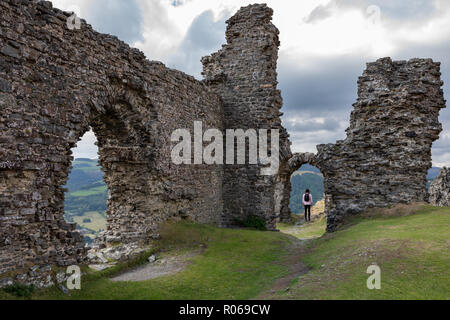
{"x": 295, "y": 251}
{"x": 163, "y": 266}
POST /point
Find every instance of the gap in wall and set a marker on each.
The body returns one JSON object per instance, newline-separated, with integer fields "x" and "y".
{"x": 85, "y": 200}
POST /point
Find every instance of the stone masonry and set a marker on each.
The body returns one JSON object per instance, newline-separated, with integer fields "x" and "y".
{"x": 440, "y": 189}
{"x": 385, "y": 158}
{"x": 57, "y": 83}
{"x": 243, "y": 74}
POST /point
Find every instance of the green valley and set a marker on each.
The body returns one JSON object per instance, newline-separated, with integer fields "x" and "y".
{"x": 85, "y": 200}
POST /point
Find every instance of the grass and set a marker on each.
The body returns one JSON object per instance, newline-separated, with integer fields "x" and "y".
{"x": 19, "y": 290}
{"x": 411, "y": 246}
{"x": 236, "y": 264}
{"x": 98, "y": 221}
{"x": 89, "y": 192}
{"x": 411, "y": 250}
{"x": 309, "y": 230}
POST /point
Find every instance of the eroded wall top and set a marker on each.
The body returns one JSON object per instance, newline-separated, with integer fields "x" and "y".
{"x": 243, "y": 73}
{"x": 387, "y": 153}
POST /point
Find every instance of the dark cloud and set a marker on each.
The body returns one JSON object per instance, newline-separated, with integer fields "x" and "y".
{"x": 120, "y": 18}
{"x": 327, "y": 88}
{"x": 318, "y": 86}
{"x": 204, "y": 37}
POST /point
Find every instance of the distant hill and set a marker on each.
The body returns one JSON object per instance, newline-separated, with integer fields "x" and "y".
{"x": 433, "y": 173}
{"x": 308, "y": 167}
{"x": 307, "y": 177}
{"x": 85, "y": 200}
{"x": 85, "y": 172}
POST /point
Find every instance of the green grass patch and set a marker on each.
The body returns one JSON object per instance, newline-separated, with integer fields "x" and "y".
{"x": 89, "y": 192}
{"x": 309, "y": 230}
{"x": 235, "y": 264}
{"x": 253, "y": 222}
{"x": 412, "y": 252}
{"x": 18, "y": 290}
{"x": 86, "y": 165}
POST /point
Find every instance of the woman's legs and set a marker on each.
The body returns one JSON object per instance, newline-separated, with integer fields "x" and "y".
{"x": 307, "y": 213}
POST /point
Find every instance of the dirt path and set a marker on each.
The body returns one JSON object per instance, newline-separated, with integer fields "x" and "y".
{"x": 295, "y": 252}
{"x": 163, "y": 266}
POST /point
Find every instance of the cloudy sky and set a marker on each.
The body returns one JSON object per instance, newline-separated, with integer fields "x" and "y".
{"x": 324, "y": 47}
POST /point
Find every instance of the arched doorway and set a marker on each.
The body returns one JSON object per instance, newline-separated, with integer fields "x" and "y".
{"x": 283, "y": 189}
{"x": 299, "y": 173}
{"x": 86, "y": 192}
{"x": 120, "y": 192}
{"x": 307, "y": 177}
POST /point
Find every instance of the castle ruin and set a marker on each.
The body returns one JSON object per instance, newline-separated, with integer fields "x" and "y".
{"x": 57, "y": 83}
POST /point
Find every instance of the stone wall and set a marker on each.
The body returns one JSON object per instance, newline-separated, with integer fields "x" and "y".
{"x": 243, "y": 74}
{"x": 440, "y": 189}
{"x": 55, "y": 84}
{"x": 385, "y": 158}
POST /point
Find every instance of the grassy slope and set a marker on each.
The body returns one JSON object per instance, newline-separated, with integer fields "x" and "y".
{"x": 412, "y": 252}
{"x": 307, "y": 231}
{"x": 237, "y": 264}
{"x": 311, "y": 230}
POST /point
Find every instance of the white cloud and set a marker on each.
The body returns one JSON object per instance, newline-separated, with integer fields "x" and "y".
{"x": 86, "y": 147}
{"x": 80, "y": 7}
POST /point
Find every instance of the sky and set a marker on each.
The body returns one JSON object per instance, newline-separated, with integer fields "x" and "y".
{"x": 325, "y": 45}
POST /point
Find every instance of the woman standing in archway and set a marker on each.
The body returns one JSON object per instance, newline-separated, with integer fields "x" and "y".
{"x": 307, "y": 203}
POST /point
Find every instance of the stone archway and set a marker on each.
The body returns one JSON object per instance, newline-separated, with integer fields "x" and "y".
{"x": 56, "y": 83}
{"x": 387, "y": 152}
{"x": 125, "y": 155}
{"x": 284, "y": 183}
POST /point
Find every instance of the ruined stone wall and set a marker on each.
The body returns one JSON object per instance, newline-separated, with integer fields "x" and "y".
{"x": 385, "y": 158}
{"x": 243, "y": 73}
{"x": 440, "y": 189}
{"x": 55, "y": 83}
